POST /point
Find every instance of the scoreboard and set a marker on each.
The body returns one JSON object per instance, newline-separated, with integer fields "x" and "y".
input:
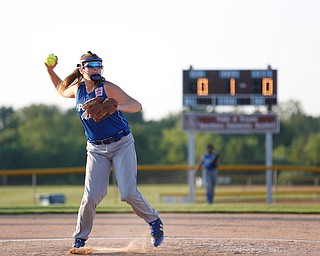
{"x": 229, "y": 87}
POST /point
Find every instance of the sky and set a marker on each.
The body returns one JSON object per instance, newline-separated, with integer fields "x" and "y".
{"x": 146, "y": 44}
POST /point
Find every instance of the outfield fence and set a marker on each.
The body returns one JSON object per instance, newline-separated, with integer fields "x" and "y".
{"x": 289, "y": 182}
{"x": 241, "y": 168}
{"x": 250, "y": 174}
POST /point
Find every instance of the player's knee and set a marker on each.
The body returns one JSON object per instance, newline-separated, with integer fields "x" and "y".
{"x": 128, "y": 197}
{"x": 91, "y": 200}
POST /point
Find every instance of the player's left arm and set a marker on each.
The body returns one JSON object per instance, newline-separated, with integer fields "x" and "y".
{"x": 125, "y": 102}
{"x": 216, "y": 160}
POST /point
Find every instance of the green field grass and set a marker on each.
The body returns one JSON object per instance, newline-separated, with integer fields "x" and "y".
{"x": 23, "y": 199}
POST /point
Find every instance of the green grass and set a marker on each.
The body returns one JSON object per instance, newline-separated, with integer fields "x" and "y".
{"x": 21, "y": 199}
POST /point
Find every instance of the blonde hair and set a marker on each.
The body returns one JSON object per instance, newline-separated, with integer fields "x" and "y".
{"x": 76, "y": 77}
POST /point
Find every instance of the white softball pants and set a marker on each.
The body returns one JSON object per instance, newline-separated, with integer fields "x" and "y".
{"x": 100, "y": 158}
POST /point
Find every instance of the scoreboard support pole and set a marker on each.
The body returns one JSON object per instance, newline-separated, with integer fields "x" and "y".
{"x": 191, "y": 162}
{"x": 269, "y": 163}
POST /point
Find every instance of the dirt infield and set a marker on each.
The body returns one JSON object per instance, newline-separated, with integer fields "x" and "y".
{"x": 186, "y": 234}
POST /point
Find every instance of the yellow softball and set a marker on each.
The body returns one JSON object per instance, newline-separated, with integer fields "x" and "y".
{"x": 51, "y": 60}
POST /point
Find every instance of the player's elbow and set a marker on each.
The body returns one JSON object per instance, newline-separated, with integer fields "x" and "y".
{"x": 137, "y": 107}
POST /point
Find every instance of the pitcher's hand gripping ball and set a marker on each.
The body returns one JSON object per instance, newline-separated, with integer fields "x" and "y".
{"x": 51, "y": 60}
{"x": 99, "y": 108}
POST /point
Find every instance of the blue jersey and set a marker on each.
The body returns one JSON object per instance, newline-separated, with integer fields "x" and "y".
{"x": 106, "y": 128}
{"x": 208, "y": 161}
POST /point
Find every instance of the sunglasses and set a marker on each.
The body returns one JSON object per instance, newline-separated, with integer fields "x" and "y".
{"x": 93, "y": 65}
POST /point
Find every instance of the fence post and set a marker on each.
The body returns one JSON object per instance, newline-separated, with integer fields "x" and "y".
{"x": 269, "y": 163}
{"x": 34, "y": 187}
{"x": 191, "y": 176}
{"x": 275, "y": 183}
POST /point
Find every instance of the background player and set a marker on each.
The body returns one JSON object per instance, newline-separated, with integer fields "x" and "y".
{"x": 210, "y": 162}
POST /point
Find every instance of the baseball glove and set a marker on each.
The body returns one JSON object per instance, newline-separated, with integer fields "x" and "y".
{"x": 100, "y": 108}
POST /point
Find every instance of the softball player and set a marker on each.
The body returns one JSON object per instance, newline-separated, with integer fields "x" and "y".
{"x": 210, "y": 162}
{"x": 109, "y": 143}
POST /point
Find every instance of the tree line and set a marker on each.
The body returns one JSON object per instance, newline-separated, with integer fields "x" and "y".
{"x": 44, "y": 136}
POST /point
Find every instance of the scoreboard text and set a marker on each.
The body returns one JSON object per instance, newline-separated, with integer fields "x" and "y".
{"x": 229, "y": 87}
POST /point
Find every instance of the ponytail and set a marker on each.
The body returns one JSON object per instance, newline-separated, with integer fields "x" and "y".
{"x": 74, "y": 78}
